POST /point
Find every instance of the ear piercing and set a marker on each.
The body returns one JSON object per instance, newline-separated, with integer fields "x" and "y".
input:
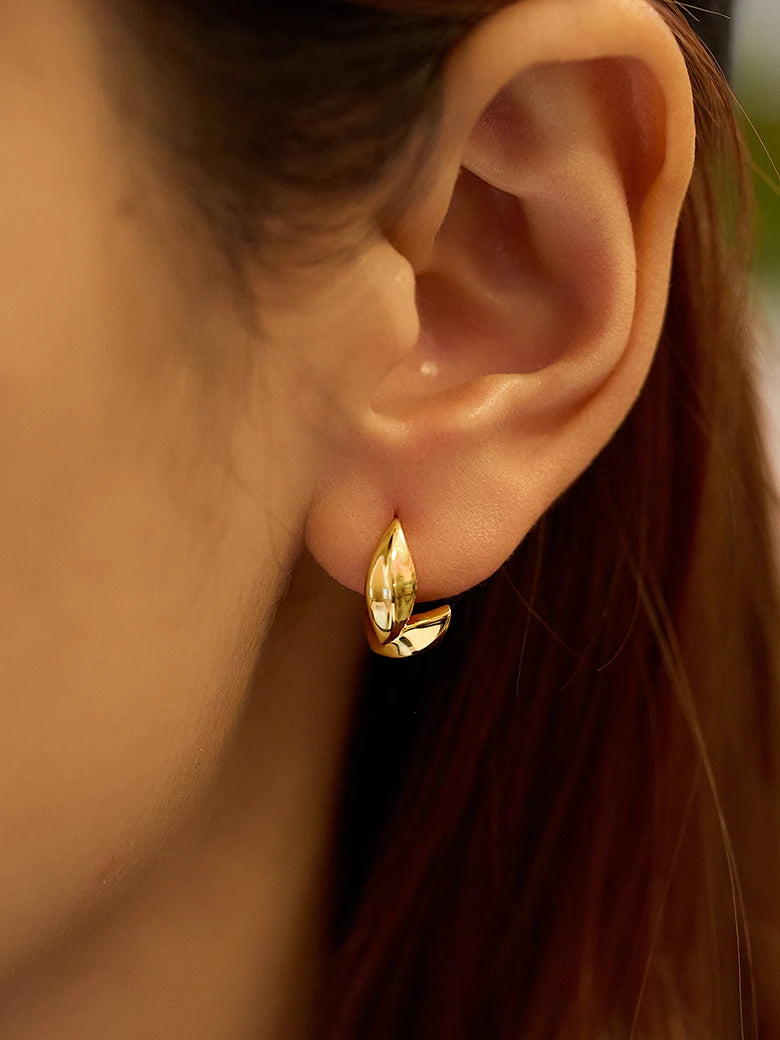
{"x": 391, "y": 589}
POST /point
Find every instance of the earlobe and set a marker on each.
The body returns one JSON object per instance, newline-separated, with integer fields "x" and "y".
{"x": 542, "y": 252}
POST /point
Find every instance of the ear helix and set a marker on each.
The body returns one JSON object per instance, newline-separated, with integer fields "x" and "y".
{"x": 391, "y": 589}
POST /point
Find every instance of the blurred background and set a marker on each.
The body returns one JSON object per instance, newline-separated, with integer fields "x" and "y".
{"x": 756, "y": 82}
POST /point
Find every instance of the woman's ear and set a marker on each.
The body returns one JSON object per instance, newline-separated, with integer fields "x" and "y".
{"x": 541, "y": 247}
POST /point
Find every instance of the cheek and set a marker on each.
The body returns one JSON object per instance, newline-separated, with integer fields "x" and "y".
{"x": 124, "y": 641}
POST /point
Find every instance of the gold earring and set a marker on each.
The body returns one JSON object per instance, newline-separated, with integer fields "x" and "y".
{"x": 391, "y": 588}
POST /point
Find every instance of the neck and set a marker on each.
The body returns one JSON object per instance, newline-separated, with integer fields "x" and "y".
{"x": 224, "y": 933}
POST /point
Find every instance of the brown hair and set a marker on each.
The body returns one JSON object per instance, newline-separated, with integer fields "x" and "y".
{"x": 564, "y": 822}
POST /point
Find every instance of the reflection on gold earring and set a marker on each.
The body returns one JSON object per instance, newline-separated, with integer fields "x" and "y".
{"x": 391, "y": 588}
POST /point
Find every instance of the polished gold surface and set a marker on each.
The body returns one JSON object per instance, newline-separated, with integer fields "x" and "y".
{"x": 391, "y": 588}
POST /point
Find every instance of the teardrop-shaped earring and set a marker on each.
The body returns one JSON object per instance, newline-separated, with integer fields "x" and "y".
{"x": 391, "y": 588}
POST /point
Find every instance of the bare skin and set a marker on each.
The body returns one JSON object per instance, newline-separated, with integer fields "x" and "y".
{"x": 178, "y": 672}
{"x": 221, "y": 931}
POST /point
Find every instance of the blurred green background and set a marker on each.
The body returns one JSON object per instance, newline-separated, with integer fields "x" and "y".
{"x": 756, "y": 81}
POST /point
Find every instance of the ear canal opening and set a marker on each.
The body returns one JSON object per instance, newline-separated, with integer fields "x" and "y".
{"x": 534, "y": 262}
{"x": 488, "y": 304}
